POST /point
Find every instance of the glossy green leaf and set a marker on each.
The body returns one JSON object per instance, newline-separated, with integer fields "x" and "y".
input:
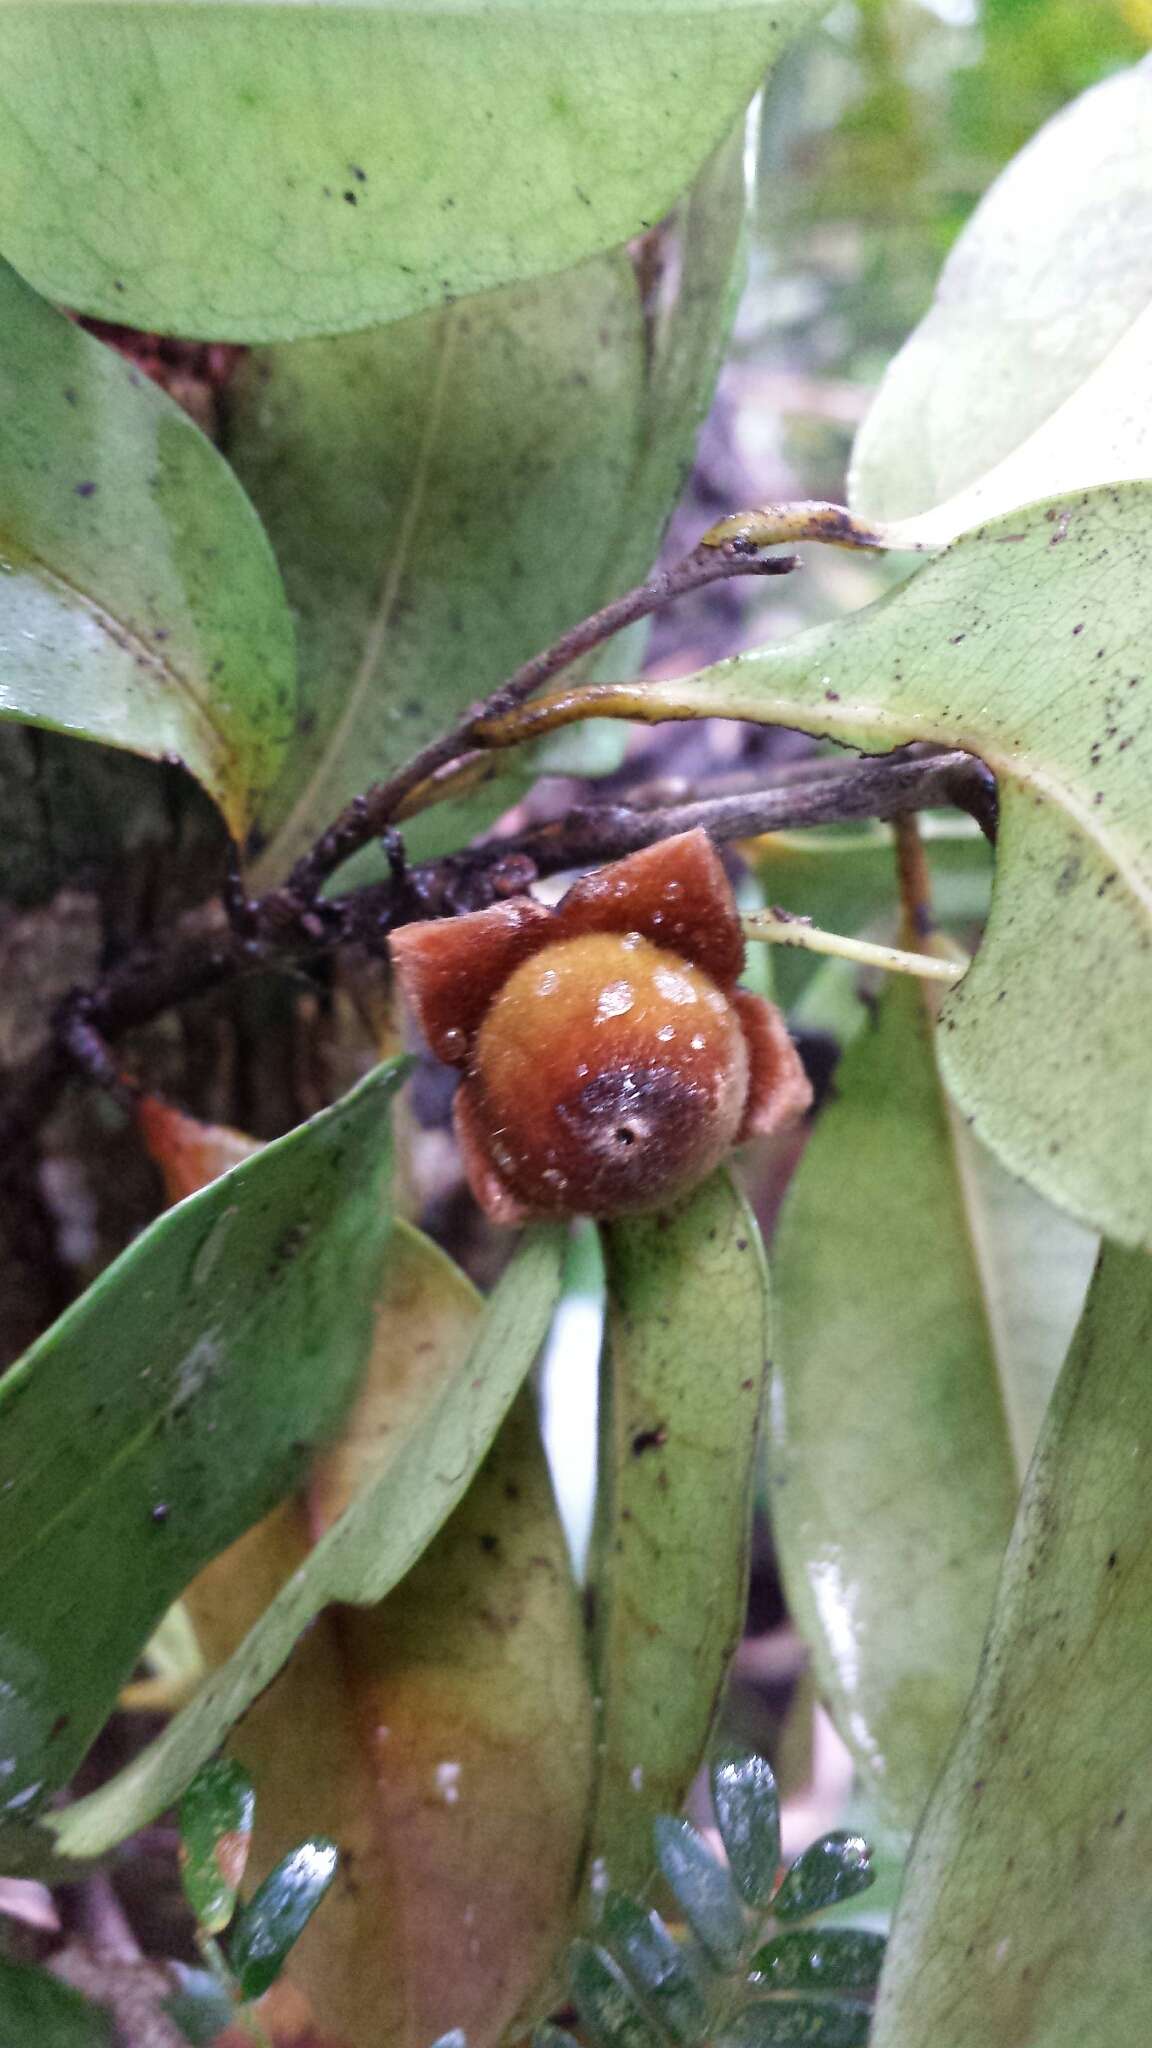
{"x": 37, "y": 2011}
{"x": 609, "y": 2010}
{"x": 747, "y": 1810}
{"x": 275, "y": 1917}
{"x": 216, "y": 1815}
{"x": 821, "y": 1959}
{"x": 701, "y": 1887}
{"x": 1026, "y": 643}
{"x": 892, "y": 1474}
{"x": 263, "y": 171}
{"x": 784, "y": 2023}
{"x": 834, "y": 1868}
{"x": 688, "y": 1347}
{"x": 240, "y": 1318}
{"x": 364, "y": 1553}
{"x": 139, "y": 601}
{"x": 446, "y": 495}
{"x": 1030, "y": 373}
{"x": 1025, "y": 1909}
{"x": 657, "y": 1967}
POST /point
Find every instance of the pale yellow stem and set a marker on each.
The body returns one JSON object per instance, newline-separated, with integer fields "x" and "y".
{"x": 774, "y": 930}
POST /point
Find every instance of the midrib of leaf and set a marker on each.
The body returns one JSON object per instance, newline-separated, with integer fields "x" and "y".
{"x": 121, "y": 634}
{"x": 302, "y": 816}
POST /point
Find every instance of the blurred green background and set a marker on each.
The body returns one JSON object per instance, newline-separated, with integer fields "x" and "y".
{"x": 881, "y": 132}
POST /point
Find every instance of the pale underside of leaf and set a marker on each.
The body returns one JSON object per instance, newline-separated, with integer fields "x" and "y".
{"x": 271, "y": 171}
{"x": 1043, "y": 295}
{"x": 1101, "y": 434}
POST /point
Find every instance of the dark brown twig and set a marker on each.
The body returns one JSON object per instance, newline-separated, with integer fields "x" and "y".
{"x": 367, "y": 816}
{"x": 276, "y": 937}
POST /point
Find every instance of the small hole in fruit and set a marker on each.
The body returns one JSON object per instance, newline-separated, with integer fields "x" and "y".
{"x": 625, "y": 1136}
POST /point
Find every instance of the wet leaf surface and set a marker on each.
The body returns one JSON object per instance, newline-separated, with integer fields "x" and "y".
{"x": 784, "y": 2023}
{"x": 893, "y": 1483}
{"x": 688, "y": 1345}
{"x": 657, "y": 1967}
{"x": 215, "y": 1837}
{"x": 270, "y": 1925}
{"x": 423, "y": 1470}
{"x": 702, "y": 1889}
{"x": 608, "y": 2007}
{"x": 830, "y": 1870}
{"x": 747, "y": 1810}
{"x": 140, "y": 604}
{"x": 283, "y": 171}
{"x": 243, "y": 1316}
{"x": 819, "y": 1959}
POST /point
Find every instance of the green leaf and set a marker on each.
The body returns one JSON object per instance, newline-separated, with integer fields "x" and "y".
{"x": 216, "y": 1816}
{"x": 423, "y": 1476}
{"x": 445, "y": 496}
{"x": 1030, "y": 373}
{"x": 548, "y": 2036}
{"x": 747, "y": 1812}
{"x": 607, "y": 2005}
{"x": 893, "y": 1483}
{"x": 172, "y": 1406}
{"x": 834, "y": 1868}
{"x": 1025, "y": 1909}
{"x": 259, "y": 171}
{"x": 783, "y": 2023}
{"x": 657, "y": 1967}
{"x": 1025, "y": 643}
{"x": 687, "y": 1350}
{"x": 272, "y": 1922}
{"x": 702, "y": 1888}
{"x": 139, "y": 601}
{"x": 833, "y": 1959}
{"x": 37, "y": 2011}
